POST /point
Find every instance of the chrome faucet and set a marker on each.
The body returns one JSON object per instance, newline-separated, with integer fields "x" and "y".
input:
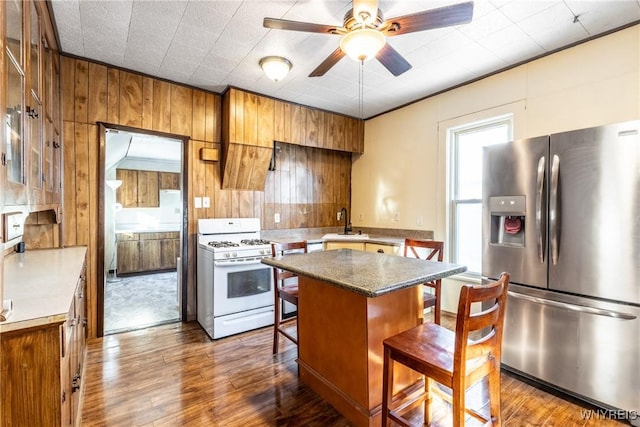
{"x": 343, "y": 215}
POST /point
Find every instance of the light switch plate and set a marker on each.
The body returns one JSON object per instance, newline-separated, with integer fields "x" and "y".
{"x": 197, "y": 202}
{"x": 276, "y": 218}
{"x": 206, "y": 203}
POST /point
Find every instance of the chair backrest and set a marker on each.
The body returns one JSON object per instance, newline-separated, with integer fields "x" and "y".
{"x": 493, "y": 298}
{"x": 434, "y": 248}
{"x": 278, "y": 249}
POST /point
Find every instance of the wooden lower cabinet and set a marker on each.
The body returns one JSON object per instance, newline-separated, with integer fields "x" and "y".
{"x": 382, "y": 248}
{"x": 128, "y": 256}
{"x": 143, "y": 252}
{"x": 359, "y": 246}
{"x": 42, "y": 367}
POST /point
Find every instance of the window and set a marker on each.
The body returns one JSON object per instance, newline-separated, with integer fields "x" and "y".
{"x": 465, "y": 231}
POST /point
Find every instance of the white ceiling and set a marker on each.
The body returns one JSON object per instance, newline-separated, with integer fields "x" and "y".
{"x": 130, "y": 150}
{"x": 213, "y": 44}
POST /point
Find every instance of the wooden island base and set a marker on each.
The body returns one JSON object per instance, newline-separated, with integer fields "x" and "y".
{"x": 340, "y": 350}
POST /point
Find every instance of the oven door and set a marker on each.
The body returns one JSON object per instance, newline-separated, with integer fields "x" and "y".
{"x": 240, "y": 286}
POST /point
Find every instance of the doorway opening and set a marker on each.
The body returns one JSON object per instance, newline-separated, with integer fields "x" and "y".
{"x": 144, "y": 219}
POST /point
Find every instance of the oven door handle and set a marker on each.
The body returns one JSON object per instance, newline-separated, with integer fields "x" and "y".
{"x": 229, "y": 263}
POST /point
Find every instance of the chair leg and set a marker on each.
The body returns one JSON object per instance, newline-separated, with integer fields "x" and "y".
{"x": 494, "y": 397}
{"x": 387, "y": 386}
{"x": 436, "y": 308}
{"x": 428, "y": 400}
{"x": 276, "y": 323}
{"x": 458, "y": 404}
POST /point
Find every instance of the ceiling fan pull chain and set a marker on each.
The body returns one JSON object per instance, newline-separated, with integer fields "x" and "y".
{"x": 361, "y": 93}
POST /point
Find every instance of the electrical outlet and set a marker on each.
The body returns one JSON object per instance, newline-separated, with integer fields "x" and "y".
{"x": 338, "y": 216}
{"x": 206, "y": 203}
{"x": 361, "y": 216}
{"x": 419, "y": 221}
{"x": 197, "y": 202}
{"x": 276, "y": 218}
{"x": 396, "y": 216}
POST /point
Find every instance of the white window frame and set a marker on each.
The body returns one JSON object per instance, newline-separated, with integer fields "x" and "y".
{"x": 453, "y": 201}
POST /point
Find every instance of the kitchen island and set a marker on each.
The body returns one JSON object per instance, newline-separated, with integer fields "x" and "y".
{"x": 349, "y": 302}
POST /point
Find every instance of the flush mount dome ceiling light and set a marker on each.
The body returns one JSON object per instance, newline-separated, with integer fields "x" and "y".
{"x": 275, "y": 67}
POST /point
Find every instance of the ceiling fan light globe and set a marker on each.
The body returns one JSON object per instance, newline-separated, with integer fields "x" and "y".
{"x": 275, "y": 67}
{"x": 362, "y": 45}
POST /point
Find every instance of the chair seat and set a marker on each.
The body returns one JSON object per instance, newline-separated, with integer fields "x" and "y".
{"x": 289, "y": 293}
{"x": 429, "y": 345}
{"x": 429, "y": 299}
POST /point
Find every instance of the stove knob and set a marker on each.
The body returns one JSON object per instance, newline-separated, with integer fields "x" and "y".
{"x": 227, "y": 254}
{"x": 235, "y": 254}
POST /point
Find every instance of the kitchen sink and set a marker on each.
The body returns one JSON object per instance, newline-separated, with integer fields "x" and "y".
{"x": 339, "y": 236}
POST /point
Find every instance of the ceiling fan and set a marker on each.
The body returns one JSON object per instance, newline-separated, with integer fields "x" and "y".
{"x": 364, "y": 32}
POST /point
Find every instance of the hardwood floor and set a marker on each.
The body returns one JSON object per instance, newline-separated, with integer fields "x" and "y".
{"x": 174, "y": 375}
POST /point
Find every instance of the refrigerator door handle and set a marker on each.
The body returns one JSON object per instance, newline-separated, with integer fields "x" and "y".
{"x": 553, "y": 209}
{"x": 539, "y": 195}
{"x": 573, "y": 307}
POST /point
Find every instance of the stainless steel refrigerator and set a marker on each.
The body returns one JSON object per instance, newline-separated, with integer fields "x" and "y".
{"x": 561, "y": 213}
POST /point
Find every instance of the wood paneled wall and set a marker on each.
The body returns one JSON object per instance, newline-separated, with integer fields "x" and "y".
{"x": 307, "y": 189}
{"x": 93, "y": 93}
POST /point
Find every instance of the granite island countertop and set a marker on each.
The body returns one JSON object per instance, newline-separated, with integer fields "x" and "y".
{"x": 41, "y": 284}
{"x": 367, "y": 273}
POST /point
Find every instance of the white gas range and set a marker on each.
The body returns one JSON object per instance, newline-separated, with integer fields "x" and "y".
{"x": 234, "y": 289}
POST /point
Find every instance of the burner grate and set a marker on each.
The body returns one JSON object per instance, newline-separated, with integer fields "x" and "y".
{"x": 223, "y": 244}
{"x": 255, "y": 242}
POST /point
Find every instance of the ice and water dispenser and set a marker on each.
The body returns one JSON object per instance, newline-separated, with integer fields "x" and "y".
{"x": 507, "y": 220}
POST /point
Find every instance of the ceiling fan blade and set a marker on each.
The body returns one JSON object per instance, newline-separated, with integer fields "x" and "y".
{"x": 429, "y": 19}
{"x": 283, "y": 24}
{"x": 392, "y": 60}
{"x": 326, "y": 65}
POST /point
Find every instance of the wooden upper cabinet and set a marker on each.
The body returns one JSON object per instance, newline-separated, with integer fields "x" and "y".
{"x": 314, "y": 128}
{"x": 148, "y": 195}
{"x": 127, "y": 194}
{"x": 266, "y": 117}
{"x": 252, "y": 119}
{"x": 249, "y": 118}
{"x": 169, "y": 181}
{"x": 140, "y": 189}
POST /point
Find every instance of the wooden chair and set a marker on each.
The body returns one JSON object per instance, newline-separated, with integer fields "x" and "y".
{"x": 284, "y": 291}
{"x": 449, "y": 358}
{"x": 433, "y": 249}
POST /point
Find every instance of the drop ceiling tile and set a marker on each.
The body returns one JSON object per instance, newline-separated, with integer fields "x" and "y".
{"x": 512, "y": 45}
{"x": 517, "y": 10}
{"x": 214, "y": 43}
{"x": 486, "y": 25}
{"x": 159, "y": 17}
{"x": 553, "y": 28}
{"x": 67, "y": 14}
{"x": 598, "y": 17}
{"x": 211, "y": 15}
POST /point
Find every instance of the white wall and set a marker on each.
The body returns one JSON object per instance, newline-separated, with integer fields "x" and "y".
{"x": 403, "y": 168}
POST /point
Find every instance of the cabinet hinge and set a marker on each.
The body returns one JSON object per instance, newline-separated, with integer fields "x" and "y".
{"x": 32, "y": 112}
{"x": 75, "y": 383}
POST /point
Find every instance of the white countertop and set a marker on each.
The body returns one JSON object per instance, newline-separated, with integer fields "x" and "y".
{"x": 41, "y": 284}
{"x": 144, "y": 228}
